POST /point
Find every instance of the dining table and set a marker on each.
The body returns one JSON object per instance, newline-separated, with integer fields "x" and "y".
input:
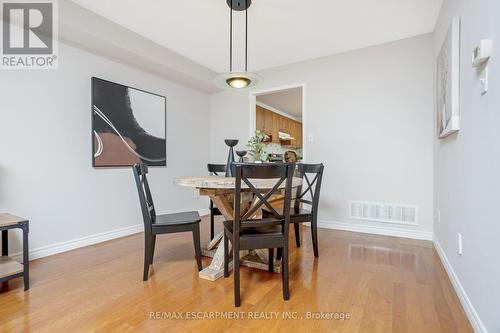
{"x": 220, "y": 190}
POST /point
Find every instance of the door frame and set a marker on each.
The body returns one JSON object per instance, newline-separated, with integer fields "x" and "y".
{"x": 253, "y": 103}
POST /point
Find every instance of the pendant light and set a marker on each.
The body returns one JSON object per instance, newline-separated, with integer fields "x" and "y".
{"x": 235, "y": 79}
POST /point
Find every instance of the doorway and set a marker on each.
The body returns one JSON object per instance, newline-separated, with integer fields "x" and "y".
{"x": 280, "y": 114}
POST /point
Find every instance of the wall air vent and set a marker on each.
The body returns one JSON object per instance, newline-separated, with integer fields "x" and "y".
{"x": 383, "y": 212}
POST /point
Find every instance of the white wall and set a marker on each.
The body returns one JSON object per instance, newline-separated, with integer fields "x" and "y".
{"x": 46, "y": 172}
{"x": 371, "y": 114}
{"x": 467, "y": 178}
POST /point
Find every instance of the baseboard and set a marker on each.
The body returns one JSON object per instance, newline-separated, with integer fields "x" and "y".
{"x": 376, "y": 230}
{"x": 48, "y": 250}
{"x": 469, "y": 309}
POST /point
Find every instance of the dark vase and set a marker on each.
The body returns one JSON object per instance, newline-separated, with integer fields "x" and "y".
{"x": 241, "y": 154}
{"x": 230, "y": 158}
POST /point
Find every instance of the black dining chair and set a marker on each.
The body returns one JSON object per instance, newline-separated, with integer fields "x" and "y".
{"x": 162, "y": 224}
{"x": 214, "y": 170}
{"x": 298, "y": 214}
{"x": 246, "y": 232}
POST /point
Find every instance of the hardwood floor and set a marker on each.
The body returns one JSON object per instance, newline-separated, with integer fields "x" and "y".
{"x": 384, "y": 284}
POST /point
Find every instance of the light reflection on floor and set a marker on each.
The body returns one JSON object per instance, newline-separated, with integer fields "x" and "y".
{"x": 380, "y": 255}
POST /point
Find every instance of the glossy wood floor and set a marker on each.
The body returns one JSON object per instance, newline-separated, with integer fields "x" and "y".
{"x": 385, "y": 284}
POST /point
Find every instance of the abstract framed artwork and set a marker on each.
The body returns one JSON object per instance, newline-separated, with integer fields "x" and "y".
{"x": 128, "y": 126}
{"x": 448, "y": 82}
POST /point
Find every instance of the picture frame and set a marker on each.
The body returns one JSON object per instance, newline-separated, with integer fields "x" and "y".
{"x": 448, "y": 82}
{"x": 128, "y": 125}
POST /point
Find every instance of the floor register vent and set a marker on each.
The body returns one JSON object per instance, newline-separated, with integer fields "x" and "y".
{"x": 383, "y": 212}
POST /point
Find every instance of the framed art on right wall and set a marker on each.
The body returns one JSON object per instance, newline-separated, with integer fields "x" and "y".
{"x": 448, "y": 82}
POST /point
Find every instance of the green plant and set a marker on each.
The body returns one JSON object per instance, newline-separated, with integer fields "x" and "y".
{"x": 256, "y": 146}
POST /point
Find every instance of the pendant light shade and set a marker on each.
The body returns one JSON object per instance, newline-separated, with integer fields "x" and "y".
{"x": 238, "y": 82}
{"x": 235, "y": 79}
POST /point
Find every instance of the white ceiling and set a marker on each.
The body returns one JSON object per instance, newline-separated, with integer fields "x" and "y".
{"x": 288, "y": 101}
{"x": 280, "y": 31}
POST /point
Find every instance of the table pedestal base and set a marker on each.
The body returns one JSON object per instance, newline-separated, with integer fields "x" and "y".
{"x": 224, "y": 200}
{"x": 254, "y": 259}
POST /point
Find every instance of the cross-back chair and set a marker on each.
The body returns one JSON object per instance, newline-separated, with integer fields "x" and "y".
{"x": 246, "y": 232}
{"x": 308, "y": 193}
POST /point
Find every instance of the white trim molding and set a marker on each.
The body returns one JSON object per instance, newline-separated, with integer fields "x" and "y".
{"x": 469, "y": 309}
{"x": 376, "y": 230}
{"x": 48, "y": 250}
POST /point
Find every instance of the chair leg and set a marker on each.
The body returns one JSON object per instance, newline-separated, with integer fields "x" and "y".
{"x": 279, "y": 251}
{"x": 284, "y": 272}
{"x": 153, "y": 244}
{"x": 314, "y": 232}
{"x": 212, "y": 224}
{"x": 297, "y": 234}
{"x": 236, "y": 273}
{"x": 226, "y": 255}
{"x": 271, "y": 260}
{"x": 147, "y": 255}
{"x": 197, "y": 247}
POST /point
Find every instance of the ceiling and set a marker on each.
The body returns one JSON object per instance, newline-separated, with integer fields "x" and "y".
{"x": 288, "y": 101}
{"x": 280, "y": 31}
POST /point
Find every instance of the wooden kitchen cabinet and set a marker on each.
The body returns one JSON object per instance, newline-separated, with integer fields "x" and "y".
{"x": 298, "y": 138}
{"x": 271, "y": 123}
{"x": 264, "y": 120}
{"x": 292, "y": 128}
{"x": 296, "y": 132}
{"x": 285, "y": 124}
{"x": 268, "y": 122}
{"x": 259, "y": 118}
{"x": 276, "y": 127}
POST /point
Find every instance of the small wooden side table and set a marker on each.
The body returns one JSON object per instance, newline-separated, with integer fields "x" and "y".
{"x": 9, "y": 268}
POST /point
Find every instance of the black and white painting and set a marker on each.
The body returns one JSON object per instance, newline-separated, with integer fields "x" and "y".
{"x": 128, "y": 126}
{"x": 448, "y": 82}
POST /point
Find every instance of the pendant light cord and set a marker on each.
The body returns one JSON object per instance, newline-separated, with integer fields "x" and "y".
{"x": 246, "y": 36}
{"x": 231, "y": 37}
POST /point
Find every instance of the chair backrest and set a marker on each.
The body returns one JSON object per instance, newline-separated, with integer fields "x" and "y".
{"x": 249, "y": 173}
{"x": 311, "y": 186}
{"x": 147, "y": 205}
{"x": 215, "y": 169}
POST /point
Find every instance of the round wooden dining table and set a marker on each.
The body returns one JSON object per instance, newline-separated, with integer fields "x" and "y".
{"x": 221, "y": 190}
